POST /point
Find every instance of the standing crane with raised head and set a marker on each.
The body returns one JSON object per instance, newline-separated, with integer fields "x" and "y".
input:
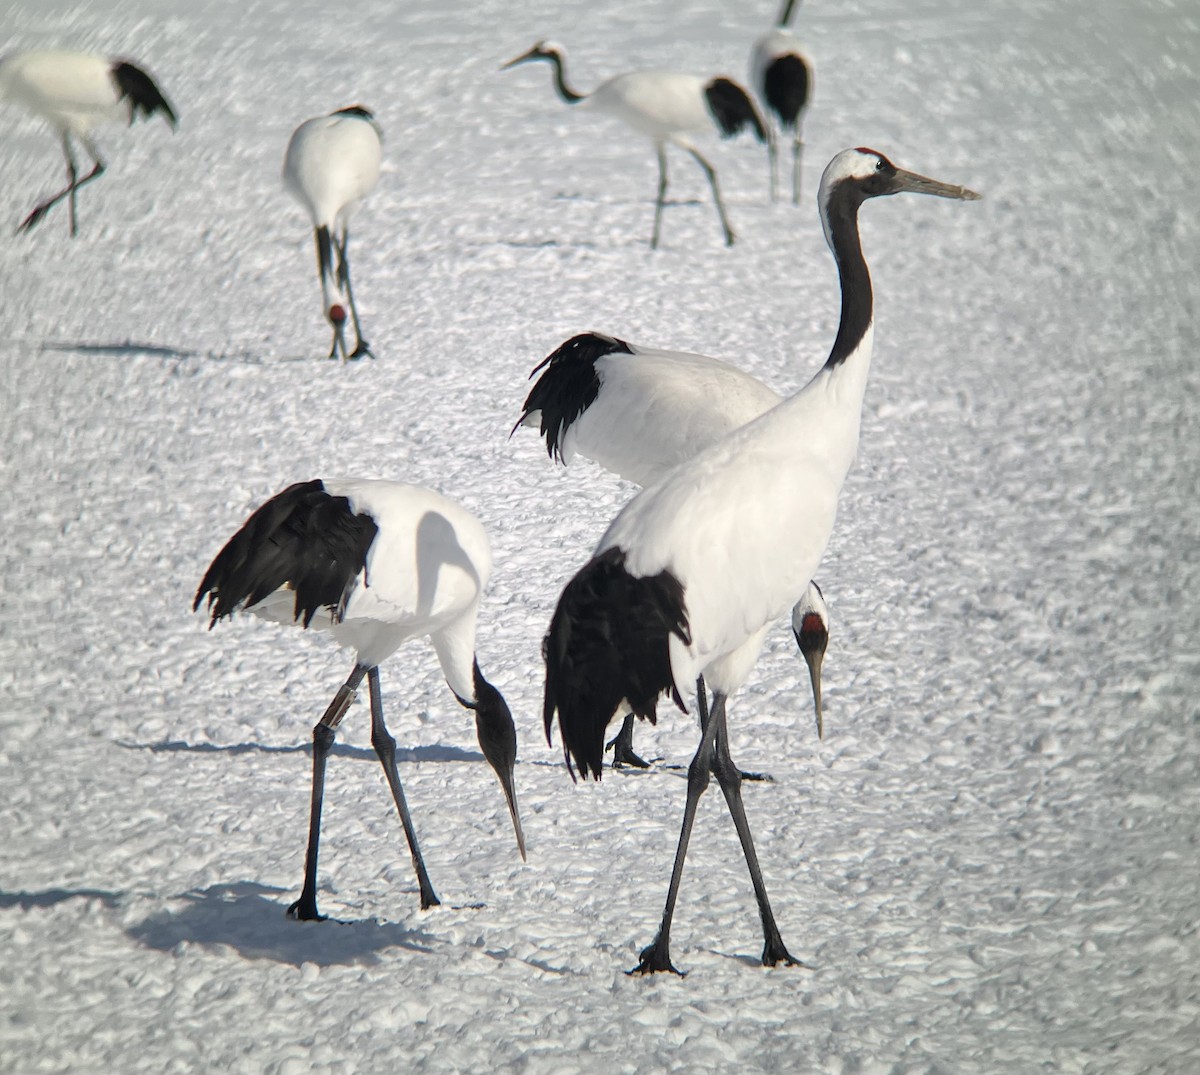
{"x": 693, "y": 571}
{"x": 376, "y": 564}
{"x": 666, "y": 107}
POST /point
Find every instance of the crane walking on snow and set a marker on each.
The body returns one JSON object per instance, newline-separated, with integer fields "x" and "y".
{"x": 666, "y": 107}
{"x": 331, "y": 163}
{"x": 375, "y": 563}
{"x": 74, "y": 92}
{"x": 638, "y": 412}
{"x": 692, "y": 572}
{"x": 783, "y": 76}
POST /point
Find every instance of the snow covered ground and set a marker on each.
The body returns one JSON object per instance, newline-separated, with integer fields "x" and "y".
{"x": 990, "y": 861}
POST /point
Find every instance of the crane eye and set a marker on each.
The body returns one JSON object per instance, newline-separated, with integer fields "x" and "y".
{"x": 879, "y": 165}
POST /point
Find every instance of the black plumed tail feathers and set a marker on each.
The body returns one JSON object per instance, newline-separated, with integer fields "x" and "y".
{"x": 568, "y": 387}
{"x": 303, "y": 539}
{"x": 786, "y": 88}
{"x": 143, "y": 95}
{"x": 608, "y": 642}
{"x": 732, "y": 109}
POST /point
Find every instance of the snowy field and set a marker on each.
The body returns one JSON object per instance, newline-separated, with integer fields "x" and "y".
{"x": 991, "y": 859}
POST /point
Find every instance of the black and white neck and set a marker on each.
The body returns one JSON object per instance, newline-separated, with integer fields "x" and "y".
{"x": 852, "y": 177}
{"x": 553, "y": 54}
{"x": 785, "y": 16}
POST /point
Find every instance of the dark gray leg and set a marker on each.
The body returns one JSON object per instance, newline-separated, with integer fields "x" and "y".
{"x": 73, "y": 184}
{"x": 712, "y": 182}
{"x": 730, "y": 779}
{"x": 622, "y": 747}
{"x": 385, "y": 747}
{"x": 703, "y": 700}
{"x": 797, "y": 151}
{"x": 305, "y": 908}
{"x": 657, "y": 956}
{"x": 662, "y": 194}
{"x": 361, "y": 346}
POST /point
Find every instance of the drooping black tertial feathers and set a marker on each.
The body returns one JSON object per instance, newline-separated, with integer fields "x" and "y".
{"x": 143, "y": 95}
{"x": 732, "y": 108}
{"x": 568, "y": 387}
{"x": 786, "y": 88}
{"x": 608, "y": 642}
{"x": 303, "y": 539}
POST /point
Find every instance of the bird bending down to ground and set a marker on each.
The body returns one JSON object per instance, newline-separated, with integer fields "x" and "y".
{"x": 331, "y": 163}
{"x": 74, "y": 92}
{"x": 666, "y": 107}
{"x": 638, "y": 412}
{"x": 783, "y": 77}
{"x": 375, "y": 563}
{"x": 692, "y": 572}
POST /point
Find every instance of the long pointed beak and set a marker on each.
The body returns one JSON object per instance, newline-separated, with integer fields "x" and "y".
{"x": 510, "y": 796}
{"x": 519, "y": 59}
{"x": 813, "y": 660}
{"x": 920, "y": 184}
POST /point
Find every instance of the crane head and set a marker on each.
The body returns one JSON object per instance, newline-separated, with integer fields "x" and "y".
{"x": 542, "y": 50}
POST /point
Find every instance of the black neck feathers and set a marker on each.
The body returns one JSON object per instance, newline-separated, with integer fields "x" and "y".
{"x": 560, "y": 79}
{"x": 857, "y": 299}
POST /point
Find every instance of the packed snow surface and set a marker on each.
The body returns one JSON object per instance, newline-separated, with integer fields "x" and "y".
{"x": 990, "y": 862}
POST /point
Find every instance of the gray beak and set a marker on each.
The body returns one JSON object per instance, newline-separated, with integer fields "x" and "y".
{"x": 919, "y": 184}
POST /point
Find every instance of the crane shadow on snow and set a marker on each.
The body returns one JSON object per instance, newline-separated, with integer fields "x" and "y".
{"x": 51, "y": 897}
{"x": 249, "y": 918}
{"x": 131, "y": 348}
{"x": 439, "y": 753}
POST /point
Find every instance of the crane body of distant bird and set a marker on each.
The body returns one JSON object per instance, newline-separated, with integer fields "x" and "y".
{"x": 638, "y": 412}
{"x": 691, "y": 573}
{"x": 783, "y": 77}
{"x": 74, "y": 92}
{"x": 331, "y": 163}
{"x": 666, "y": 107}
{"x": 375, "y": 563}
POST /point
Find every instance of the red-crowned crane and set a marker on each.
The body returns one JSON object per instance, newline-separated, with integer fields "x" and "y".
{"x": 783, "y": 77}
{"x": 374, "y": 563}
{"x": 638, "y": 412}
{"x": 692, "y": 572}
{"x": 332, "y": 162}
{"x": 74, "y": 92}
{"x": 666, "y": 107}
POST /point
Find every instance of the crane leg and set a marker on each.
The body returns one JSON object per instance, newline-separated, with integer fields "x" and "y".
{"x": 68, "y": 192}
{"x": 730, "y": 238}
{"x": 657, "y": 956}
{"x": 797, "y": 152}
{"x": 622, "y": 747}
{"x": 324, "y": 733}
{"x": 773, "y": 162}
{"x": 662, "y": 195}
{"x": 730, "y": 780}
{"x": 702, "y": 697}
{"x": 361, "y": 347}
{"x": 385, "y": 747}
